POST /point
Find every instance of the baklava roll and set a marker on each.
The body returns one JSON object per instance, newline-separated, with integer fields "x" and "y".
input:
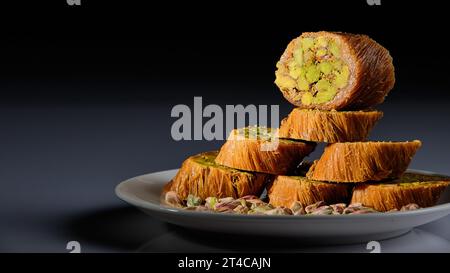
{"x": 411, "y": 188}
{"x": 286, "y": 190}
{"x": 334, "y": 70}
{"x": 363, "y": 161}
{"x": 200, "y": 176}
{"x": 328, "y": 126}
{"x": 257, "y": 149}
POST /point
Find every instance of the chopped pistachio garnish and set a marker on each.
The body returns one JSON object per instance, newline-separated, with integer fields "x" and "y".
{"x": 253, "y": 205}
{"x": 193, "y": 201}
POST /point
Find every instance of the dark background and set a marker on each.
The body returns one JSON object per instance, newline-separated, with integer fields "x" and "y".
{"x": 86, "y": 94}
{"x": 130, "y": 46}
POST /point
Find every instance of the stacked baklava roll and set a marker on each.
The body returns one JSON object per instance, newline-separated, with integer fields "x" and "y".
{"x": 335, "y": 80}
{"x": 245, "y": 165}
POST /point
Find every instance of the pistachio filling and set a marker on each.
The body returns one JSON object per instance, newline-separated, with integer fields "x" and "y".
{"x": 208, "y": 160}
{"x": 263, "y": 133}
{"x": 256, "y": 132}
{"x": 315, "y": 71}
{"x": 414, "y": 180}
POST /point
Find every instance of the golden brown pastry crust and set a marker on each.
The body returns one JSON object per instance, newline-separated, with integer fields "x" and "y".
{"x": 287, "y": 189}
{"x": 371, "y": 72}
{"x": 328, "y": 126}
{"x": 363, "y": 161}
{"x": 423, "y": 190}
{"x": 249, "y": 154}
{"x": 209, "y": 179}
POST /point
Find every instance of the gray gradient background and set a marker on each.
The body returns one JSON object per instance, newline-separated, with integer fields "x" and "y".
{"x": 61, "y": 163}
{"x": 83, "y": 110}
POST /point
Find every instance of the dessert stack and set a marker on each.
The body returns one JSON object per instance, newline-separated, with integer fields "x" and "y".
{"x": 335, "y": 80}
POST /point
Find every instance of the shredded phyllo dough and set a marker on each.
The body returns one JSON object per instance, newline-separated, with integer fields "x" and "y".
{"x": 329, "y": 126}
{"x": 363, "y": 161}
{"x": 201, "y": 176}
{"x": 286, "y": 190}
{"x": 424, "y": 190}
{"x": 246, "y": 149}
{"x": 251, "y": 204}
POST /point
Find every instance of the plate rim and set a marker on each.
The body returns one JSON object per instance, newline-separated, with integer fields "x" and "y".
{"x": 138, "y": 202}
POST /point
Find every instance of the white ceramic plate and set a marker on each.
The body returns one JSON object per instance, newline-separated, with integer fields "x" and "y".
{"x": 144, "y": 192}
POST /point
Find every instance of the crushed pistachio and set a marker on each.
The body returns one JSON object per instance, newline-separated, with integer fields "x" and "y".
{"x": 193, "y": 201}
{"x": 251, "y": 204}
{"x": 315, "y": 70}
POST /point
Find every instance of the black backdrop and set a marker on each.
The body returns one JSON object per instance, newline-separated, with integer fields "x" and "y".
{"x": 123, "y": 43}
